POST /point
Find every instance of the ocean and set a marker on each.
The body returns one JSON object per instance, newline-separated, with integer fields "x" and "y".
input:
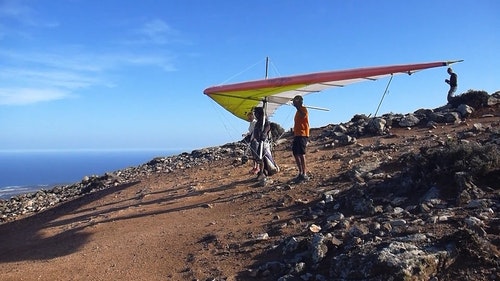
{"x": 29, "y": 171}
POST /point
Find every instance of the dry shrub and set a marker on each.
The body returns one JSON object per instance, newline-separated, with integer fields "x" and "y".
{"x": 439, "y": 165}
{"x": 474, "y": 98}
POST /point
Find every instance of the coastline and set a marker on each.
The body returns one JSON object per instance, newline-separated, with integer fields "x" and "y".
{"x": 26, "y": 171}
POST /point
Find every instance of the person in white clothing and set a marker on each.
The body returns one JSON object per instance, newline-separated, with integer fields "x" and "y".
{"x": 249, "y": 138}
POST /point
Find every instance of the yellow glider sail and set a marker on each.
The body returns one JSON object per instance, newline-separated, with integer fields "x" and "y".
{"x": 241, "y": 98}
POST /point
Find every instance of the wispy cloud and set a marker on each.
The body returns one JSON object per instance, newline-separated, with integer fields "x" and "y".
{"x": 157, "y": 32}
{"x": 165, "y": 62}
{"x": 24, "y": 96}
{"x": 49, "y": 78}
{"x": 65, "y": 72}
{"x": 14, "y": 9}
{"x": 35, "y": 77}
{"x": 31, "y": 74}
{"x": 17, "y": 11}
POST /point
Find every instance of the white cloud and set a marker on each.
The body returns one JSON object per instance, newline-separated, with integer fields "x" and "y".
{"x": 67, "y": 72}
{"x": 24, "y": 96}
{"x": 51, "y": 78}
{"x": 157, "y": 31}
{"x": 16, "y": 11}
{"x": 160, "y": 61}
{"x": 13, "y": 9}
{"x": 33, "y": 74}
{"x": 74, "y": 59}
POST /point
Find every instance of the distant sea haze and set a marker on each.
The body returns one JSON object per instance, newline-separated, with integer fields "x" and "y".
{"x": 28, "y": 171}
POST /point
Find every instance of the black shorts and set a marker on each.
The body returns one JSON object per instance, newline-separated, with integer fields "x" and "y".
{"x": 299, "y": 145}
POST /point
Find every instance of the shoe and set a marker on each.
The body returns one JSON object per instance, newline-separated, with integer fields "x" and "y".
{"x": 261, "y": 176}
{"x": 297, "y": 179}
{"x": 301, "y": 178}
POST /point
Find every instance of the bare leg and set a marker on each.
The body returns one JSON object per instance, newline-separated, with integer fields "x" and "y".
{"x": 301, "y": 163}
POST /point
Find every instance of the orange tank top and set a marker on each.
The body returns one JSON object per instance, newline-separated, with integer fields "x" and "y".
{"x": 301, "y": 126}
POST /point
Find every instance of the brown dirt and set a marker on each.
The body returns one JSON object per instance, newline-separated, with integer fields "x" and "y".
{"x": 191, "y": 224}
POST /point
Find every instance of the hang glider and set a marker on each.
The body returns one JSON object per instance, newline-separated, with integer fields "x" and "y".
{"x": 241, "y": 98}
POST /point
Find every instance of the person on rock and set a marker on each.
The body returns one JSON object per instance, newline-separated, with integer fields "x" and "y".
{"x": 453, "y": 84}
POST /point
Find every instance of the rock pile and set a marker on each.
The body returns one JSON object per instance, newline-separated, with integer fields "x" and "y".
{"x": 373, "y": 223}
{"x": 376, "y": 228}
{"x": 362, "y": 125}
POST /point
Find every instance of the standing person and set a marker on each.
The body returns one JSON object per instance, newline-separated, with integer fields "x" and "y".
{"x": 452, "y": 82}
{"x": 248, "y": 137}
{"x": 260, "y": 133}
{"x": 300, "y": 137}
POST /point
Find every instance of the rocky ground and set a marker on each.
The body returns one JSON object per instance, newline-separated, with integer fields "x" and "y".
{"x": 399, "y": 197}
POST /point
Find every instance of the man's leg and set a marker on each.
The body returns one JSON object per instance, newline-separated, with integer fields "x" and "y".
{"x": 303, "y": 175}
{"x": 298, "y": 161}
{"x": 450, "y": 93}
{"x": 303, "y": 163}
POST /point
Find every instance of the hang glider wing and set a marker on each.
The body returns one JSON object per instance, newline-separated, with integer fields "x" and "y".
{"x": 241, "y": 98}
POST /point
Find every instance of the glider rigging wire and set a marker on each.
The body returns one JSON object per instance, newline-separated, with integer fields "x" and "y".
{"x": 241, "y": 72}
{"x": 225, "y": 122}
{"x": 383, "y": 96}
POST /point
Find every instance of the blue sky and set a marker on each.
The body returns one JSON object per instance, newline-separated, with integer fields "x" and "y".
{"x": 117, "y": 74}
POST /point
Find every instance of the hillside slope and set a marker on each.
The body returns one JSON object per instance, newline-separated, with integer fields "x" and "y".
{"x": 398, "y": 198}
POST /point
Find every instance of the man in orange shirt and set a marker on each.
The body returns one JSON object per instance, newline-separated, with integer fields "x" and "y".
{"x": 300, "y": 137}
